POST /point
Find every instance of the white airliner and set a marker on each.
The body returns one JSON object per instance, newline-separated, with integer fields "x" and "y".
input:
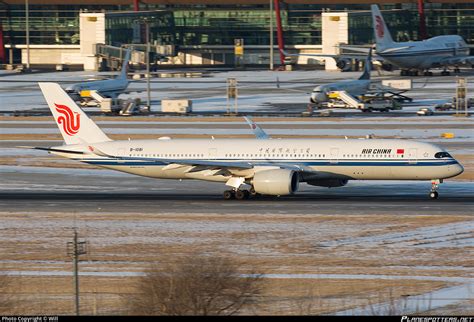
{"x": 412, "y": 56}
{"x": 248, "y": 166}
{"x": 353, "y": 87}
{"x": 108, "y": 87}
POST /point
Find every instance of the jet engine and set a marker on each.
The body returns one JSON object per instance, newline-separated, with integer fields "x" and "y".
{"x": 387, "y": 67}
{"x": 329, "y": 183}
{"x": 343, "y": 64}
{"x": 276, "y": 182}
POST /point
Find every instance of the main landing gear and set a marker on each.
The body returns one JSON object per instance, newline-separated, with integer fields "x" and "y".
{"x": 407, "y": 72}
{"x": 239, "y": 194}
{"x": 434, "y": 188}
{"x": 445, "y": 72}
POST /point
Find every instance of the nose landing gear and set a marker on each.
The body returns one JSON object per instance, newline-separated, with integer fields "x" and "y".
{"x": 434, "y": 188}
{"x": 434, "y": 194}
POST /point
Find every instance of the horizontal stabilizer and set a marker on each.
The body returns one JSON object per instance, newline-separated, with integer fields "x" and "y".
{"x": 50, "y": 149}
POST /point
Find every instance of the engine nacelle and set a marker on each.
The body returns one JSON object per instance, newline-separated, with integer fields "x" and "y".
{"x": 276, "y": 182}
{"x": 387, "y": 67}
{"x": 343, "y": 64}
{"x": 329, "y": 183}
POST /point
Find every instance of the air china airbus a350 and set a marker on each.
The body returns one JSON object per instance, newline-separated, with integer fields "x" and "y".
{"x": 248, "y": 166}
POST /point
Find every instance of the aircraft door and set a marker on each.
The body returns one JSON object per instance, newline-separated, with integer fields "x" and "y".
{"x": 334, "y": 156}
{"x": 212, "y": 153}
{"x": 120, "y": 153}
{"x": 413, "y": 156}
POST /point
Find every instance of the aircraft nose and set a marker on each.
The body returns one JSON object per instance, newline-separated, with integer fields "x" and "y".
{"x": 457, "y": 169}
{"x": 318, "y": 97}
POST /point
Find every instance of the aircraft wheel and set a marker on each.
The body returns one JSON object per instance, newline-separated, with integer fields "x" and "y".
{"x": 228, "y": 194}
{"x": 434, "y": 195}
{"x": 241, "y": 194}
{"x": 252, "y": 192}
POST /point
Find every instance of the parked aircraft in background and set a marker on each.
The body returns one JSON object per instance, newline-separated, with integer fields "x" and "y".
{"x": 356, "y": 87}
{"x": 414, "y": 56}
{"x": 410, "y": 56}
{"x": 248, "y": 166}
{"x": 106, "y": 88}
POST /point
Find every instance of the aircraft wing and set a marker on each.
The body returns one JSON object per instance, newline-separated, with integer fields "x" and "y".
{"x": 360, "y": 49}
{"x": 51, "y": 149}
{"x": 200, "y": 165}
{"x": 338, "y": 56}
{"x": 458, "y": 60}
{"x": 181, "y": 162}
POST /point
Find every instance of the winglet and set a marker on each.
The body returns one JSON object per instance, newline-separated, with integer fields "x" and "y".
{"x": 257, "y": 130}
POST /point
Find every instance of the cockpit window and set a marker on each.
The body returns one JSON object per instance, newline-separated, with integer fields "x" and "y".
{"x": 440, "y": 155}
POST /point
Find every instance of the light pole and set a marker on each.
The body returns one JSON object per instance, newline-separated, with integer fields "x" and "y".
{"x": 27, "y": 17}
{"x": 271, "y": 34}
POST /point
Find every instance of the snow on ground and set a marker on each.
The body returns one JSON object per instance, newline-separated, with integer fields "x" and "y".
{"x": 460, "y": 134}
{"x": 209, "y": 93}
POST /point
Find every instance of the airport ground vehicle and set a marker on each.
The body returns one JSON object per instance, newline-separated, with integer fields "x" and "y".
{"x": 444, "y": 107}
{"x": 366, "y": 103}
{"x": 425, "y": 111}
{"x": 248, "y": 166}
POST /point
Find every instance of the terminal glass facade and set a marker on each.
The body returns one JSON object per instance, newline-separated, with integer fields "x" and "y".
{"x": 195, "y": 25}
{"x": 399, "y": 22}
{"x": 130, "y": 28}
{"x": 451, "y": 19}
{"x": 49, "y": 24}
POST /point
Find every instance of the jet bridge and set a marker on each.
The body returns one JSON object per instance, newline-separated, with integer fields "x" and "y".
{"x": 112, "y": 57}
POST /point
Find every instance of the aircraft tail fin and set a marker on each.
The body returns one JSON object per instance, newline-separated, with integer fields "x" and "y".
{"x": 367, "y": 66}
{"x": 75, "y": 126}
{"x": 382, "y": 35}
{"x": 126, "y": 60}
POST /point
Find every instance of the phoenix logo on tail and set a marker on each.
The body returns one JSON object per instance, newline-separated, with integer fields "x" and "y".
{"x": 69, "y": 120}
{"x": 379, "y": 26}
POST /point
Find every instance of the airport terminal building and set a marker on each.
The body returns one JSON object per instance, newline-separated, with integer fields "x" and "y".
{"x": 205, "y": 32}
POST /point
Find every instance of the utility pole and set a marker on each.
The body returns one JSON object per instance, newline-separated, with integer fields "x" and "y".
{"x": 75, "y": 249}
{"x": 148, "y": 63}
{"x": 271, "y": 34}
